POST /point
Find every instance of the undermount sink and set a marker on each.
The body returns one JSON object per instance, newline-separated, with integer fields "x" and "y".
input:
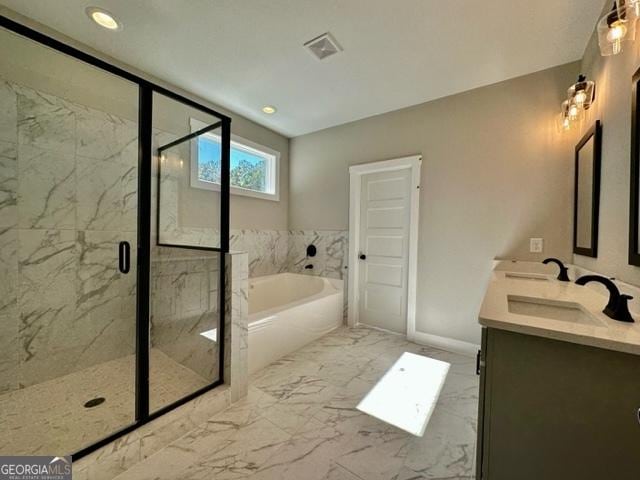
{"x": 526, "y": 276}
{"x": 550, "y": 309}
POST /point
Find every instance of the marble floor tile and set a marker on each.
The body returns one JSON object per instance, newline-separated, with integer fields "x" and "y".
{"x": 300, "y": 421}
{"x": 50, "y": 418}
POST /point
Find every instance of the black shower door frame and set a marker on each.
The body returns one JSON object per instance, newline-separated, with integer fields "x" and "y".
{"x": 146, "y": 89}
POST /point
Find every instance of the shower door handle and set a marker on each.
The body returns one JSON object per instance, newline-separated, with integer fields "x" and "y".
{"x": 124, "y": 257}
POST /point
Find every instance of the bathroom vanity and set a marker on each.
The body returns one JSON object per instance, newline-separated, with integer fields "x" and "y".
{"x": 560, "y": 383}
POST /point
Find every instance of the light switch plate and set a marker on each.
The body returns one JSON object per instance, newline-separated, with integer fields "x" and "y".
{"x": 536, "y": 245}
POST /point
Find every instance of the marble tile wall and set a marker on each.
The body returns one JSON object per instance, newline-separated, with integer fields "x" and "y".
{"x": 267, "y": 250}
{"x": 184, "y": 303}
{"x": 276, "y": 251}
{"x": 68, "y": 182}
{"x": 331, "y": 257}
{"x": 237, "y": 325}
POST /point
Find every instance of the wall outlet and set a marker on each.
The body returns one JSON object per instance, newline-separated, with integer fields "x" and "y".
{"x": 536, "y": 245}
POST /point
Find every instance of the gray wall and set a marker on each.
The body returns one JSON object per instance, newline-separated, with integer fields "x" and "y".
{"x": 613, "y": 107}
{"x": 495, "y": 172}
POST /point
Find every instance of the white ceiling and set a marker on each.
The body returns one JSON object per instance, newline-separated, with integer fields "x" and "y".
{"x": 243, "y": 54}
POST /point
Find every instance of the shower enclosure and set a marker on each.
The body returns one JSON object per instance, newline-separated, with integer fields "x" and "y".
{"x": 111, "y": 265}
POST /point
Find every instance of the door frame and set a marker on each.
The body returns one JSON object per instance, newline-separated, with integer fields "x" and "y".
{"x": 356, "y": 172}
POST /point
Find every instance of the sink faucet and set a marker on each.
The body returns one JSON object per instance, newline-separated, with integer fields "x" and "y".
{"x": 618, "y": 306}
{"x": 562, "y": 276}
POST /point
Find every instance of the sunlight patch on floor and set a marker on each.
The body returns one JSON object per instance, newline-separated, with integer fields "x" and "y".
{"x": 407, "y": 393}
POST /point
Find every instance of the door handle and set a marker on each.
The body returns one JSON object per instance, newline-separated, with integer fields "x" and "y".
{"x": 363, "y": 256}
{"x": 638, "y": 415}
{"x": 124, "y": 257}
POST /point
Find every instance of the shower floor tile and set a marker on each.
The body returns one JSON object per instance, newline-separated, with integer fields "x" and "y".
{"x": 50, "y": 418}
{"x": 300, "y": 421}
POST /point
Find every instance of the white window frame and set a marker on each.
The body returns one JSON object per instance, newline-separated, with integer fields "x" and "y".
{"x": 273, "y": 166}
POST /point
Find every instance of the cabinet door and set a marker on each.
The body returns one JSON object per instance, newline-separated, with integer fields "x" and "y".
{"x": 556, "y": 410}
{"x": 481, "y": 369}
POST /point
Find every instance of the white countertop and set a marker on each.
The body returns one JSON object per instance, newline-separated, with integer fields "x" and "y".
{"x": 608, "y": 333}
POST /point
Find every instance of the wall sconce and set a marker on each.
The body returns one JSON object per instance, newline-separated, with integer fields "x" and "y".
{"x": 582, "y": 93}
{"x": 580, "y": 97}
{"x": 616, "y": 28}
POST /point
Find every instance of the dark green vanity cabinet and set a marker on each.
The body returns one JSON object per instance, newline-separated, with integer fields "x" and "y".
{"x": 553, "y": 410}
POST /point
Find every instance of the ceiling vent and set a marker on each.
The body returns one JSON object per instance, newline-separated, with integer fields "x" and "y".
{"x": 323, "y": 46}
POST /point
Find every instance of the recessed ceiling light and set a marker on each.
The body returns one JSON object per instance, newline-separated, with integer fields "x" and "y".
{"x": 269, "y": 109}
{"x": 103, "y": 18}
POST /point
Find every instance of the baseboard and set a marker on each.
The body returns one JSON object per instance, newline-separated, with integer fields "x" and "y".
{"x": 445, "y": 343}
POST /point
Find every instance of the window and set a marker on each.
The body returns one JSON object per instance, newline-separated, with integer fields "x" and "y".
{"x": 254, "y": 168}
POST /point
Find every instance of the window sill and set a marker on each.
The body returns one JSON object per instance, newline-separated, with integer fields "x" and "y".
{"x": 243, "y": 192}
{"x": 273, "y": 197}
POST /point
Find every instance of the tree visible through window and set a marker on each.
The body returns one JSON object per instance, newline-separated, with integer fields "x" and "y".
{"x": 249, "y": 170}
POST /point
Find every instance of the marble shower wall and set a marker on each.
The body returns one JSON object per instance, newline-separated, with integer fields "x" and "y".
{"x": 68, "y": 195}
{"x": 184, "y": 303}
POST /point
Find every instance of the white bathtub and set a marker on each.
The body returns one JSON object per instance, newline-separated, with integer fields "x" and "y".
{"x": 287, "y": 311}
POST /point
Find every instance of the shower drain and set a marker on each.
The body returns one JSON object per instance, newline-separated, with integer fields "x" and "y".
{"x": 94, "y": 402}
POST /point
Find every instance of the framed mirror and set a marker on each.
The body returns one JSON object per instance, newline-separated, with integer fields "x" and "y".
{"x": 587, "y": 192}
{"x": 634, "y": 210}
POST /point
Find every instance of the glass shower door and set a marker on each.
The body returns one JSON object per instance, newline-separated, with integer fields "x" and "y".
{"x": 186, "y": 262}
{"x": 68, "y": 237}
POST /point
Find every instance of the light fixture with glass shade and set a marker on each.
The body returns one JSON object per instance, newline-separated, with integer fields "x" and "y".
{"x": 576, "y": 114}
{"x": 616, "y": 28}
{"x": 582, "y": 93}
{"x": 570, "y": 115}
{"x": 633, "y": 5}
{"x": 564, "y": 120}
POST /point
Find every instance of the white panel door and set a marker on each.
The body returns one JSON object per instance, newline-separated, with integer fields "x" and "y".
{"x": 385, "y": 212}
